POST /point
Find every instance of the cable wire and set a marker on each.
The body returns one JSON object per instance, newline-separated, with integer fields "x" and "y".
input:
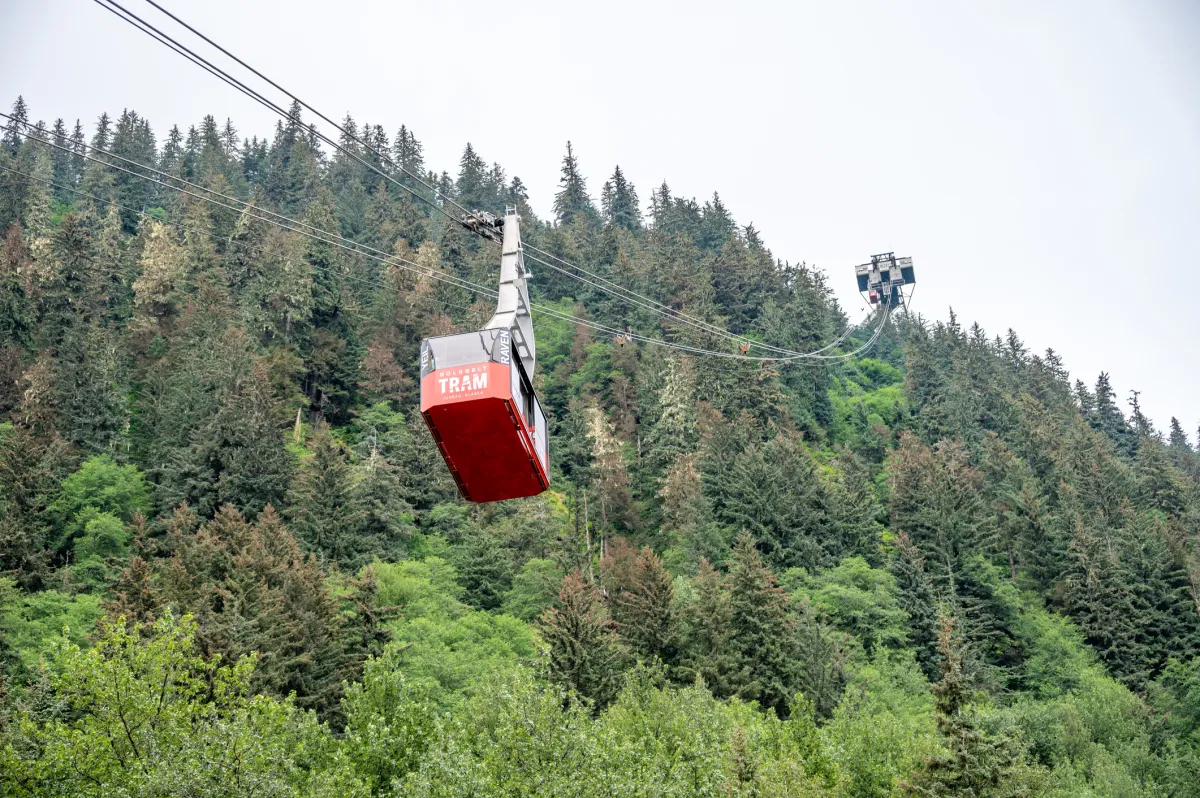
{"x": 329, "y": 121}
{"x": 630, "y": 295}
{"x": 284, "y": 221}
{"x": 217, "y": 236}
{"x": 403, "y": 263}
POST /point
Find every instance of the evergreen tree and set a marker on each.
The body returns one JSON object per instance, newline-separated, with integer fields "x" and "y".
{"x": 1141, "y": 425}
{"x": 975, "y": 762}
{"x": 773, "y": 492}
{"x": 387, "y": 519}
{"x": 426, "y": 481}
{"x": 760, "y": 630}
{"x": 1099, "y": 600}
{"x": 472, "y": 185}
{"x": 30, "y": 469}
{"x": 819, "y": 663}
{"x": 19, "y": 113}
{"x": 17, "y": 310}
{"x": 619, "y": 202}
{"x": 322, "y": 506}
{"x": 1107, "y": 417}
{"x": 485, "y": 570}
{"x": 585, "y": 651}
{"x": 675, "y": 430}
{"x": 642, "y": 600}
{"x": 89, "y": 401}
{"x": 572, "y": 200}
{"x": 70, "y": 292}
{"x": 250, "y": 588}
{"x": 705, "y": 652}
{"x": 1178, "y": 439}
{"x": 239, "y": 457}
{"x": 157, "y": 295}
{"x": 63, "y": 173}
{"x": 408, "y": 155}
{"x": 918, "y": 600}
{"x": 576, "y": 462}
{"x": 716, "y": 225}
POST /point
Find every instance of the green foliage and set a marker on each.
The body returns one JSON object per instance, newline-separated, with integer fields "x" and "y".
{"x": 252, "y": 590}
{"x": 860, "y": 600}
{"x": 584, "y": 649}
{"x": 760, "y": 630}
{"x": 1056, "y": 658}
{"x": 882, "y": 730}
{"x": 442, "y": 647}
{"x": 450, "y": 656}
{"x": 169, "y": 387}
{"x": 976, "y": 761}
{"x": 420, "y": 588}
{"x": 30, "y": 622}
{"x": 390, "y": 723}
{"x": 152, "y": 717}
{"x": 105, "y": 539}
{"x": 535, "y": 588}
{"x": 100, "y": 486}
{"x": 520, "y": 737}
{"x": 322, "y": 507}
{"x": 642, "y": 601}
{"x": 1177, "y": 695}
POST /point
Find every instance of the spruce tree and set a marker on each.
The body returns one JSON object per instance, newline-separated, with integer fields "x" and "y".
{"x": 760, "y": 630}
{"x": 820, "y": 656}
{"x": 1178, "y": 439}
{"x": 576, "y": 461}
{"x": 157, "y": 296}
{"x": 1137, "y": 419}
{"x": 485, "y": 569}
{"x": 239, "y": 457}
{"x": 17, "y": 309}
{"x": 974, "y": 762}
{"x": 90, "y": 404}
{"x": 675, "y": 430}
{"x": 642, "y": 601}
{"x": 11, "y": 140}
{"x": 619, "y": 202}
{"x": 1107, "y": 417}
{"x": 322, "y": 507}
{"x": 63, "y": 170}
{"x": 918, "y": 600}
{"x": 1099, "y": 599}
{"x": 472, "y": 185}
{"x": 31, "y": 468}
{"x": 408, "y": 155}
{"x": 71, "y": 290}
{"x": 387, "y": 519}
{"x": 585, "y": 651}
{"x": 705, "y": 652}
{"x": 251, "y": 589}
{"x": 773, "y": 491}
{"x": 716, "y": 225}
{"x": 572, "y": 200}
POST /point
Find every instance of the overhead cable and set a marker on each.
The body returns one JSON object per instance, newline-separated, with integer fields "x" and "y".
{"x": 628, "y": 294}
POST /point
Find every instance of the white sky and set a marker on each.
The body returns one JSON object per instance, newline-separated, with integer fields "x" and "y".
{"x": 1040, "y": 161}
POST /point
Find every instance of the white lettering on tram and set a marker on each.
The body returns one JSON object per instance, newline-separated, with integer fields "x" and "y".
{"x": 468, "y": 379}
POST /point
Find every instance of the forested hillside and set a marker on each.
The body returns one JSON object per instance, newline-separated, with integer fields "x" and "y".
{"x": 234, "y": 564}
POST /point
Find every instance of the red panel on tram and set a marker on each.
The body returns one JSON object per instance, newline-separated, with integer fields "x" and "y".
{"x": 484, "y": 416}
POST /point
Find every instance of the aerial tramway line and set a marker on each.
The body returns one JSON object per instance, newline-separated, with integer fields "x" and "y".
{"x": 477, "y": 395}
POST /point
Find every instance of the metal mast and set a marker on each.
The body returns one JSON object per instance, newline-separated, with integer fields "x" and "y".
{"x": 512, "y": 305}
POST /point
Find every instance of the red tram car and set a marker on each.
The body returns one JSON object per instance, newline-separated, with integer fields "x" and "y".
{"x": 480, "y": 406}
{"x": 476, "y": 388}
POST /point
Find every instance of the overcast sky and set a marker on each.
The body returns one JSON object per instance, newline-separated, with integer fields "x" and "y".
{"x": 1040, "y": 161}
